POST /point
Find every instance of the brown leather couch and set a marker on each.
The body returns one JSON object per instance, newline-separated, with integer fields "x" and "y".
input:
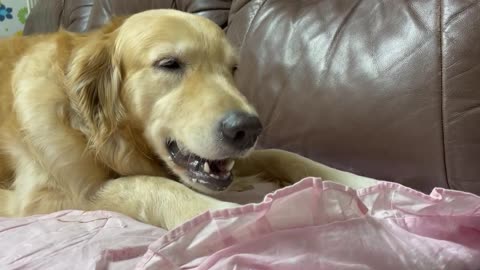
{"x": 387, "y": 89}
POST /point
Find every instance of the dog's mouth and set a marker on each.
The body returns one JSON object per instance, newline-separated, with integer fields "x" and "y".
{"x": 215, "y": 175}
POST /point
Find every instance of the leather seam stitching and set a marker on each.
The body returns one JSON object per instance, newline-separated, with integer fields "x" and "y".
{"x": 60, "y": 16}
{"x": 442, "y": 92}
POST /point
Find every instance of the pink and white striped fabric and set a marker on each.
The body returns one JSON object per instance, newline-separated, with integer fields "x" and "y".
{"x": 313, "y": 224}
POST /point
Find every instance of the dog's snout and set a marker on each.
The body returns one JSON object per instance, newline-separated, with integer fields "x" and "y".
{"x": 240, "y": 129}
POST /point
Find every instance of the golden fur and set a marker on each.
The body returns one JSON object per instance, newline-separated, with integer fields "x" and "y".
{"x": 84, "y": 119}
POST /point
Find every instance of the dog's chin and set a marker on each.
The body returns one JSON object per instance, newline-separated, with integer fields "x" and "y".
{"x": 204, "y": 175}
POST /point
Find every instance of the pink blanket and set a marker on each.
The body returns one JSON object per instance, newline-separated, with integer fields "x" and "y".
{"x": 310, "y": 225}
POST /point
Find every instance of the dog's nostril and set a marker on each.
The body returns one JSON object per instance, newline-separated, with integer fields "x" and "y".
{"x": 240, "y": 135}
{"x": 240, "y": 130}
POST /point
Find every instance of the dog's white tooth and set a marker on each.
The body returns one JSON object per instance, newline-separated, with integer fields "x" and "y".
{"x": 230, "y": 164}
{"x": 206, "y": 167}
{"x": 194, "y": 180}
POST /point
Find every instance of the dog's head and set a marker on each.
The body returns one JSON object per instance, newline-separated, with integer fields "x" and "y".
{"x": 168, "y": 76}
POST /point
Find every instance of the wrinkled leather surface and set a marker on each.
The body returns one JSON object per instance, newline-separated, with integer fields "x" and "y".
{"x": 353, "y": 84}
{"x": 387, "y": 89}
{"x": 84, "y": 15}
{"x": 461, "y": 92}
{"x": 45, "y": 17}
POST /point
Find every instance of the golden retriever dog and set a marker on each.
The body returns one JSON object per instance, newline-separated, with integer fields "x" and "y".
{"x": 140, "y": 117}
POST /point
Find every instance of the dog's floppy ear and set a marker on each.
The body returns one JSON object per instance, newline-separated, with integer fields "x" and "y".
{"x": 94, "y": 81}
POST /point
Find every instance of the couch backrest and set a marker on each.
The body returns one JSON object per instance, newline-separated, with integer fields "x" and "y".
{"x": 386, "y": 89}
{"x": 84, "y": 15}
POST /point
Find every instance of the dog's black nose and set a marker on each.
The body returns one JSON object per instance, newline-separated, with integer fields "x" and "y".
{"x": 240, "y": 130}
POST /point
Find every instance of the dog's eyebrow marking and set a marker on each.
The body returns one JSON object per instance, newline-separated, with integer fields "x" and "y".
{"x": 164, "y": 49}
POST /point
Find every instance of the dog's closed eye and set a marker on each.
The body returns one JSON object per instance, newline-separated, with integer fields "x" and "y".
{"x": 168, "y": 64}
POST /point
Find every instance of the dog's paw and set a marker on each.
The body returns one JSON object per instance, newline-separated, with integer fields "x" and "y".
{"x": 240, "y": 187}
{"x": 241, "y": 184}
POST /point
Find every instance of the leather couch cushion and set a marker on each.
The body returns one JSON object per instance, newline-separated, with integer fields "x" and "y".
{"x": 45, "y": 17}
{"x": 353, "y": 84}
{"x": 461, "y": 92}
{"x": 216, "y": 10}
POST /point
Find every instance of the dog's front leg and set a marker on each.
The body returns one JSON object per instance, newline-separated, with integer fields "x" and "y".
{"x": 154, "y": 200}
{"x": 285, "y": 168}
